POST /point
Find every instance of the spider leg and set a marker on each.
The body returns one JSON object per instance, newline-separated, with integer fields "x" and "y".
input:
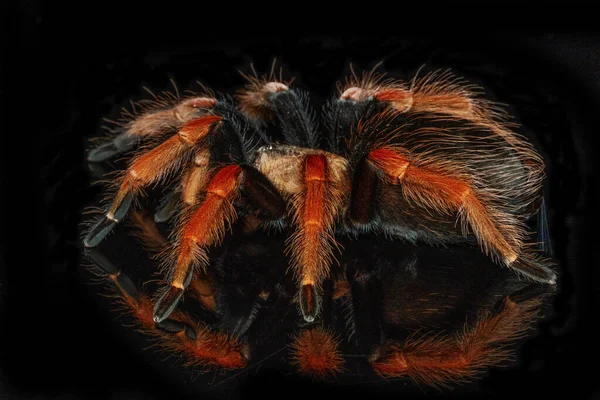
{"x": 193, "y": 181}
{"x": 206, "y": 225}
{"x": 261, "y": 194}
{"x": 294, "y": 117}
{"x": 439, "y": 360}
{"x": 200, "y": 288}
{"x": 441, "y": 93}
{"x": 453, "y": 102}
{"x": 312, "y": 244}
{"x": 316, "y": 184}
{"x": 151, "y": 124}
{"x": 180, "y": 333}
{"x": 168, "y": 206}
{"x": 119, "y": 145}
{"x": 439, "y": 191}
{"x": 263, "y": 98}
{"x": 365, "y": 191}
{"x": 147, "y": 169}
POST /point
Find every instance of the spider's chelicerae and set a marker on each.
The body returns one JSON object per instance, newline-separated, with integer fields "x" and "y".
{"x": 428, "y": 163}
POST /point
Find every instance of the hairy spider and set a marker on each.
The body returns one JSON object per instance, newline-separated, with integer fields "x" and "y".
{"x": 428, "y": 162}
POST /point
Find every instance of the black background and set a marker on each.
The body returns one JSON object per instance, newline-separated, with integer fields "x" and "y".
{"x": 77, "y": 74}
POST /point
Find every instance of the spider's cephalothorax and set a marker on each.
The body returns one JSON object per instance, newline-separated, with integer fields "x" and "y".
{"x": 427, "y": 162}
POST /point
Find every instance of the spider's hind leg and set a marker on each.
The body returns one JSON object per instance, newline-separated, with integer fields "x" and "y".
{"x": 149, "y": 168}
{"x": 497, "y": 232}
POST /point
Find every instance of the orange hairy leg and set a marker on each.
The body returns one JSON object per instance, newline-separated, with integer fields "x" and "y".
{"x": 205, "y": 227}
{"x": 313, "y": 217}
{"x": 444, "y": 96}
{"x": 180, "y": 334}
{"x": 441, "y": 93}
{"x": 154, "y": 165}
{"x": 315, "y": 353}
{"x": 438, "y": 361}
{"x": 154, "y": 242}
{"x": 149, "y": 168}
{"x": 312, "y": 244}
{"x": 194, "y": 180}
{"x": 457, "y": 101}
{"x": 152, "y": 123}
{"x": 201, "y": 290}
{"x": 445, "y": 194}
{"x": 403, "y": 100}
{"x": 317, "y": 185}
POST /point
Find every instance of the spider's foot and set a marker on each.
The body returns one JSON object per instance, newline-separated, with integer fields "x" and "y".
{"x": 310, "y": 302}
{"x": 173, "y": 326}
{"x": 99, "y": 232}
{"x": 530, "y": 292}
{"x": 107, "y": 222}
{"x": 167, "y": 303}
{"x": 535, "y": 270}
{"x": 106, "y": 151}
{"x": 167, "y": 208}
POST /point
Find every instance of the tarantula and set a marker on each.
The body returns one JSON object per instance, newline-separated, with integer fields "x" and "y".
{"x": 428, "y": 162}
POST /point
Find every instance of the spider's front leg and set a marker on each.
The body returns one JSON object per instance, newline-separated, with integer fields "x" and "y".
{"x": 221, "y": 145}
{"x": 314, "y": 181}
{"x": 206, "y": 225}
{"x": 317, "y": 184}
{"x": 147, "y": 169}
